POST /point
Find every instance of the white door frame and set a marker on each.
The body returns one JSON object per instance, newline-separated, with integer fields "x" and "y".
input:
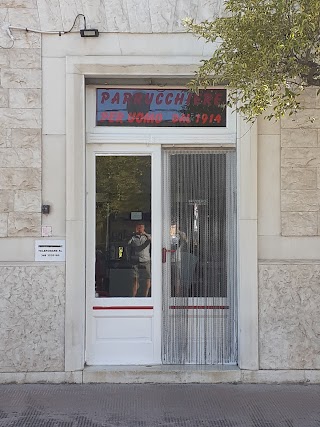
{"x": 77, "y": 68}
{"x": 95, "y": 306}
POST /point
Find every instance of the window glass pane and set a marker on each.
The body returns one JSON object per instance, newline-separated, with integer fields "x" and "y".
{"x": 123, "y": 226}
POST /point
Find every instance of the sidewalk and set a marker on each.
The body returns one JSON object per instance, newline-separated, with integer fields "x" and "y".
{"x": 148, "y": 405}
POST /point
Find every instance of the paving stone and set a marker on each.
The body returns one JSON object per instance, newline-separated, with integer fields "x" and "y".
{"x": 165, "y": 405}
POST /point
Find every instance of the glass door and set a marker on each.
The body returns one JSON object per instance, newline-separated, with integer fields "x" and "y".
{"x": 123, "y": 227}
{"x": 199, "y": 257}
{"x": 122, "y": 302}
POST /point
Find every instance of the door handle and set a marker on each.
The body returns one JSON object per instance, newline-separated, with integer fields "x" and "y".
{"x": 164, "y": 254}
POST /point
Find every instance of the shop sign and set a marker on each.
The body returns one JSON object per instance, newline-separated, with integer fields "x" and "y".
{"x": 161, "y": 107}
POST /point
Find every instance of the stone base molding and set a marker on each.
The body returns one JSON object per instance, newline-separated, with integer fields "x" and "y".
{"x": 165, "y": 375}
{"x": 40, "y": 377}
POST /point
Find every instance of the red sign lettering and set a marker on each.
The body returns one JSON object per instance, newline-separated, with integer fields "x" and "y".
{"x": 104, "y": 97}
{"x": 161, "y": 107}
{"x": 159, "y": 98}
{"x": 168, "y": 99}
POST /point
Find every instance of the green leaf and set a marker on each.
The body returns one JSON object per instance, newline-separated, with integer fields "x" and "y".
{"x": 269, "y": 52}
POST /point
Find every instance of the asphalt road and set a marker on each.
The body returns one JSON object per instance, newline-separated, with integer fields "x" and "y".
{"x": 148, "y": 405}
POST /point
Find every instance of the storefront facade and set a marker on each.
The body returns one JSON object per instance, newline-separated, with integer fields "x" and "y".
{"x": 243, "y": 197}
{"x": 146, "y": 319}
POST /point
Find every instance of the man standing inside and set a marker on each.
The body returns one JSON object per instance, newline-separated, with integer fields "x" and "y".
{"x": 139, "y": 253}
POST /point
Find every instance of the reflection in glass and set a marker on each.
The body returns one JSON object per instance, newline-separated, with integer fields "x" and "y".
{"x": 198, "y": 225}
{"x": 123, "y": 226}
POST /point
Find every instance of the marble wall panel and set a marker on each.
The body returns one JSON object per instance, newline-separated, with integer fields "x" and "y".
{"x": 300, "y": 164}
{"x": 299, "y": 223}
{"x": 299, "y": 138}
{"x": 161, "y": 16}
{"x": 300, "y": 200}
{"x": 309, "y": 98}
{"x": 139, "y": 16}
{"x": 32, "y": 301}
{"x": 4, "y": 58}
{"x": 299, "y": 178}
{"x": 28, "y": 4}
{"x": 114, "y": 16}
{"x": 133, "y": 16}
{"x": 25, "y": 39}
{"x": 183, "y": 9}
{"x": 21, "y": 224}
{"x": 305, "y": 118}
{"x": 117, "y": 15}
{"x": 25, "y": 58}
{"x": 20, "y": 121}
{"x": 289, "y": 313}
{"x": 300, "y": 157}
{"x": 25, "y": 98}
{"x": 21, "y": 78}
{"x": 20, "y": 178}
{"x": 26, "y": 18}
{"x": 5, "y": 41}
{"x": 6, "y": 201}
{"x": 3, "y": 224}
{"x": 69, "y": 10}
{"x": 4, "y": 15}
{"x": 4, "y": 97}
{"x": 27, "y": 201}
{"x": 5, "y": 137}
{"x": 95, "y": 12}
{"x": 20, "y": 118}
{"x": 211, "y": 8}
{"x": 50, "y": 15}
{"x": 26, "y": 138}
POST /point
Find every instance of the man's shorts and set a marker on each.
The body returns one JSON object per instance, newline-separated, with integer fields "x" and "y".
{"x": 142, "y": 270}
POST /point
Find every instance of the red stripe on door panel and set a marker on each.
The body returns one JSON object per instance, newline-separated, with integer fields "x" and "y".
{"x": 121, "y": 307}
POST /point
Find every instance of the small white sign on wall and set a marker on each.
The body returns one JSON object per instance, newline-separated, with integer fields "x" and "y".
{"x": 50, "y": 250}
{"x": 46, "y": 231}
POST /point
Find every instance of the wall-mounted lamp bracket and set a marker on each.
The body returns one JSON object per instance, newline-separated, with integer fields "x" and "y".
{"x": 89, "y": 32}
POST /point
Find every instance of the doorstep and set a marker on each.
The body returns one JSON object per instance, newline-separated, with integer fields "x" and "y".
{"x": 174, "y": 374}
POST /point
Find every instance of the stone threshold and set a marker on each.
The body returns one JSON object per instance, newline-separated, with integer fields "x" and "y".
{"x": 164, "y": 374}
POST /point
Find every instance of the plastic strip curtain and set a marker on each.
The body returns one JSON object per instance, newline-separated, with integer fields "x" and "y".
{"x": 199, "y": 264}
